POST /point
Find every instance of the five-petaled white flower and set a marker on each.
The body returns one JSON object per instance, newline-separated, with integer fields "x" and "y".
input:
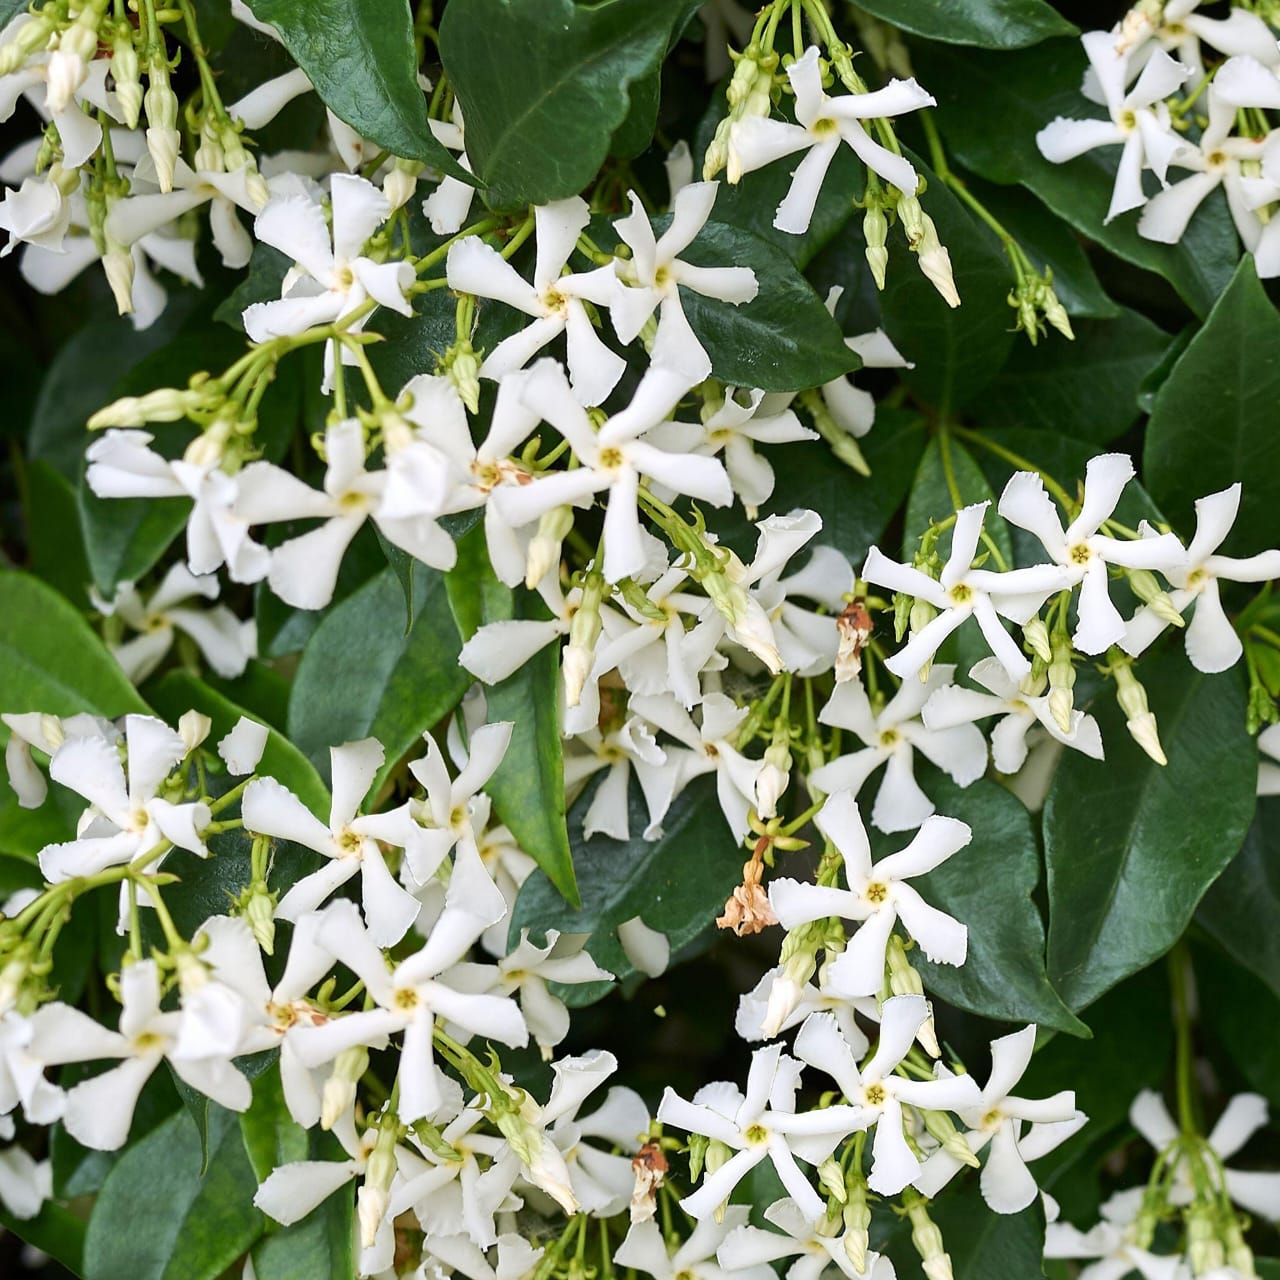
{"x": 877, "y": 896}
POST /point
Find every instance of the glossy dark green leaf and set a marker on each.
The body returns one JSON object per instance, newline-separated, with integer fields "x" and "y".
{"x": 361, "y": 676}
{"x": 1234, "y": 1005}
{"x": 1241, "y": 909}
{"x": 988, "y": 886}
{"x": 1024, "y": 91}
{"x": 50, "y": 660}
{"x": 320, "y": 1247}
{"x": 271, "y": 1136}
{"x": 984, "y": 1244}
{"x": 180, "y": 691}
{"x": 157, "y": 1218}
{"x": 54, "y": 1230}
{"x": 947, "y": 479}
{"x": 990, "y": 24}
{"x": 542, "y": 134}
{"x": 54, "y": 537}
{"x": 784, "y": 340}
{"x": 1087, "y": 388}
{"x": 956, "y": 350}
{"x": 676, "y": 884}
{"x": 9, "y": 9}
{"x": 360, "y": 56}
{"x": 1131, "y": 847}
{"x": 528, "y": 787}
{"x": 1214, "y": 419}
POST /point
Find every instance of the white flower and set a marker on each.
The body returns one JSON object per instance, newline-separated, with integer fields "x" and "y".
{"x": 226, "y": 643}
{"x": 631, "y": 746}
{"x": 304, "y": 570}
{"x": 25, "y": 1184}
{"x": 1269, "y": 770}
{"x": 1254, "y": 1191}
{"x": 1082, "y": 550}
{"x": 753, "y": 1010}
{"x": 1176, "y": 26}
{"x": 1018, "y": 709}
{"x": 410, "y": 997}
{"x": 876, "y": 1092}
{"x": 127, "y": 818}
{"x": 447, "y": 207}
{"x": 46, "y": 733}
{"x": 655, "y": 273}
{"x": 891, "y": 737}
{"x": 1139, "y": 120}
{"x": 877, "y": 897}
{"x": 614, "y": 459}
{"x": 961, "y": 592}
{"x": 100, "y": 1110}
{"x": 758, "y": 1125}
{"x": 709, "y": 748}
{"x": 645, "y": 1250}
{"x": 455, "y": 809}
{"x": 554, "y": 300}
{"x": 525, "y": 971}
{"x": 331, "y": 278}
{"x": 516, "y": 1257}
{"x": 1211, "y": 641}
{"x": 1109, "y": 1244}
{"x": 37, "y": 213}
{"x": 747, "y": 1248}
{"x": 22, "y": 1081}
{"x": 242, "y": 748}
{"x": 1220, "y": 160}
{"x": 824, "y": 123}
{"x": 121, "y": 465}
{"x": 997, "y": 1119}
{"x": 349, "y": 841}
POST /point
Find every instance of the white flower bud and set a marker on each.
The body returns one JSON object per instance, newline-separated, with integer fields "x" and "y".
{"x": 1037, "y": 636}
{"x": 935, "y": 262}
{"x": 193, "y": 728}
{"x": 117, "y": 262}
{"x": 125, "y": 72}
{"x": 875, "y": 231}
{"x": 374, "y": 1196}
{"x": 401, "y": 182}
{"x": 66, "y": 73}
{"x": 857, "y": 1223}
{"x": 1144, "y": 732}
{"x": 544, "y": 547}
{"x": 340, "y": 1088}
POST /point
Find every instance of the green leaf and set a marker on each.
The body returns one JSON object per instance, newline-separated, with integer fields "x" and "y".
{"x": 784, "y": 340}
{"x": 989, "y": 886}
{"x": 320, "y": 1247}
{"x": 50, "y": 660}
{"x": 271, "y": 1136}
{"x": 947, "y": 479}
{"x": 361, "y": 676}
{"x": 528, "y": 787}
{"x": 360, "y": 56}
{"x": 1234, "y": 1005}
{"x": 984, "y": 1244}
{"x": 990, "y": 24}
{"x": 1024, "y": 91}
{"x": 157, "y": 1218}
{"x": 54, "y": 1230}
{"x": 541, "y": 133}
{"x": 956, "y": 350}
{"x": 180, "y": 691}
{"x": 1241, "y": 909}
{"x": 1131, "y": 847}
{"x": 676, "y": 884}
{"x": 54, "y": 537}
{"x": 1087, "y": 388}
{"x": 1214, "y": 419}
{"x": 9, "y": 9}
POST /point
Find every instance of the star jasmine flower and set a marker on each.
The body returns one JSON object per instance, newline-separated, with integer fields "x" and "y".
{"x": 1139, "y": 120}
{"x": 1108, "y": 1244}
{"x": 350, "y": 841}
{"x": 128, "y": 817}
{"x": 877, "y": 897}
{"x": 1084, "y": 552}
{"x": 525, "y": 971}
{"x": 891, "y": 736}
{"x": 223, "y": 640}
{"x": 37, "y": 213}
{"x": 25, "y": 1184}
{"x": 798, "y": 1237}
{"x": 997, "y": 1120}
{"x": 753, "y": 1011}
{"x": 632, "y": 746}
{"x": 1176, "y": 27}
{"x": 876, "y": 1092}
{"x": 644, "y": 1249}
{"x": 961, "y": 592}
{"x": 554, "y": 300}
{"x": 121, "y": 465}
{"x": 1211, "y": 641}
{"x": 22, "y": 1081}
{"x": 99, "y": 1111}
{"x": 614, "y": 459}
{"x": 36, "y": 730}
{"x": 1019, "y": 712}
{"x": 761, "y": 1124}
{"x": 410, "y": 997}
{"x": 1218, "y": 159}
{"x": 655, "y": 273}
{"x": 454, "y": 809}
{"x": 449, "y": 205}
{"x": 709, "y": 748}
{"x": 332, "y": 277}
{"x": 516, "y": 1258}
{"x": 304, "y": 570}
{"x": 823, "y": 124}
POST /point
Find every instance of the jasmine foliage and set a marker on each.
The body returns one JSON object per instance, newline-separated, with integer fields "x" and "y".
{"x": 547, "y": 531}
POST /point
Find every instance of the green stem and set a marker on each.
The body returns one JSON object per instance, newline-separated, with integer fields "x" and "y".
{"x": 1179, "y": 981}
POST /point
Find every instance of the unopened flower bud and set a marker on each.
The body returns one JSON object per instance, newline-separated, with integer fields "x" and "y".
{"x": 1204, "y": 1249}
{"x": 749, "y": 624}
{"x": 787, "y": 988}
{"x": 340, "y": 1088}
{"x": 1239, "y": 1255}
{"x": 857, "y": 1221}
{"x": 772, "y": 780}
{"x": 1036, "y": 635}
{"x": 935, "y": 262}
{"x": 13, "y": 977}
{"x": 875, "y": 231}
{"x": 905, "y": 981}
{"x": 161, "y": 105}
{"x": 928, "y": 1242}
{"x": 117, "y": 262}
{"x": 257, "y": 905}
{"x": 462, "y": 366}
{"x": 22, "y": 41}
{"x": 584, "y": 630}
{"x": 1139, "y": 719}
{"x": 544, "y": 547}
{"x": 831, "y": 1179}
{"x": 940, "y": 1125}
{"x": 1148, "y": 590}
{"x": 1055, "y": 313}
{"x": 1062, "y": 680}
{"x": 922, "y": 613}
{"x": 374, "y": 1195}
{"x": 125, "y": 72}
{"x": 401, "y": 182}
